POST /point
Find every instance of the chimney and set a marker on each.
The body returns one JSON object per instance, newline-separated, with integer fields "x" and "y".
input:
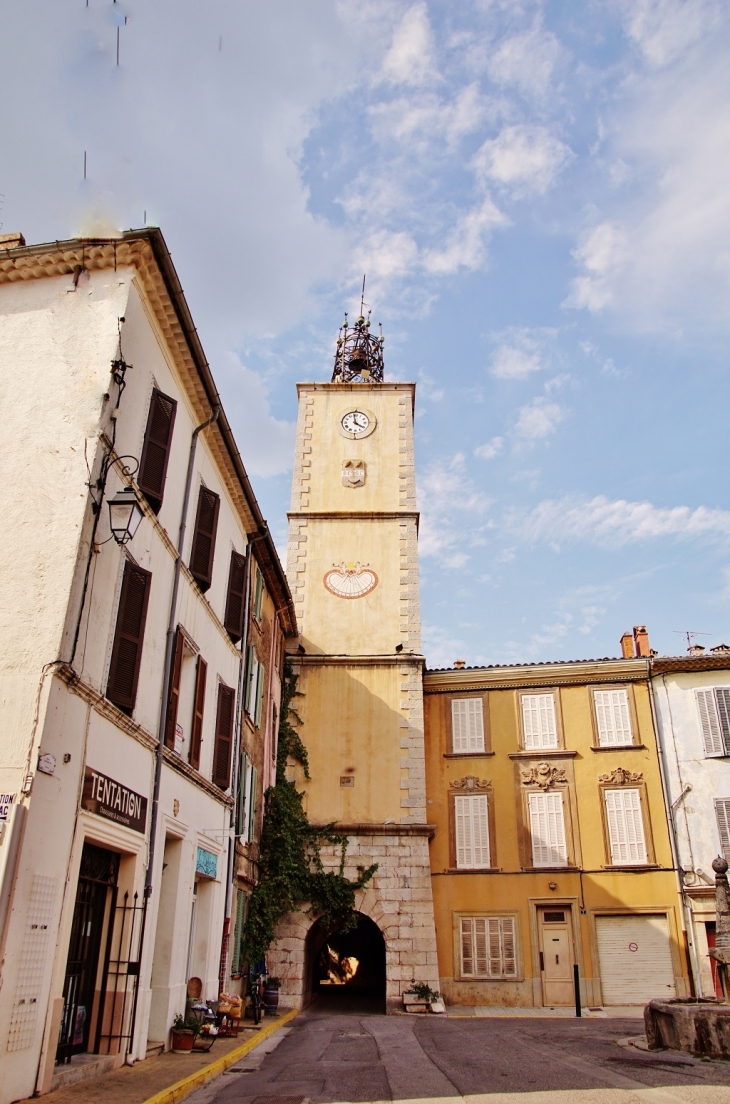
{"x": 641, "y": 642}
{"x": 720, "y": 649}
{"x": 627, "y": 646}
{"x": 12, "y": 241}
{"x": 696, "y": 650}
{"x": 459, "y": 664}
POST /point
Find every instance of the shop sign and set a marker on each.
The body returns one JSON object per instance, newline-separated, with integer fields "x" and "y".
{"x": 6, "y": 804}
{"x": 207, "y": 863}
{"x": 110, "y": 799}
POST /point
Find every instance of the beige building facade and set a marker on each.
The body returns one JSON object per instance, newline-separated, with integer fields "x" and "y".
{"x": 353, "y": 570}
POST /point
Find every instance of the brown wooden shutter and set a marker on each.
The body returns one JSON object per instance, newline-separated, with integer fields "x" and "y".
{"x": 206, "y": 524}
{"x": 223, "y": 736}
{"x": 173, "y": 696}
{"x": 128, "y": 637}
{"x": 196, "y": 738}
{"x": 233, "y": 620}
{"x": 156, "y": 448}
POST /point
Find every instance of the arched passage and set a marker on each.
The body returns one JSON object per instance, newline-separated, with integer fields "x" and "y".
{"x": 346, "y": 969}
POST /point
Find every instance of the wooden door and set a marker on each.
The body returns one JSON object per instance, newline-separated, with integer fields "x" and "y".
{"x": 556, "y": 956}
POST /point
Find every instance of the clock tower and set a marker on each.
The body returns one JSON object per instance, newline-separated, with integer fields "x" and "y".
{"x": 353, "y": 571}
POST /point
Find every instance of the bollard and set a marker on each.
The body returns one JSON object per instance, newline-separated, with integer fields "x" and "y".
{"x": 576, "y": 983}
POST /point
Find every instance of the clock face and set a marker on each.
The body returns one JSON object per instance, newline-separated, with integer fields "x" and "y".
{"x": 355, "y": 421}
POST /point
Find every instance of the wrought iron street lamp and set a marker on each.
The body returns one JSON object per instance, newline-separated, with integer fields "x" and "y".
{"x": 124, "y": 515}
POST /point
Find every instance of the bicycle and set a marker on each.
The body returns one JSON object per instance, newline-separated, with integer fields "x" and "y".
{"x": 256, "y": 985}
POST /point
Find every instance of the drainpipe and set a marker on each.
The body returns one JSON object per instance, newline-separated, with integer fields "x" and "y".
{"x": 673, "y": 840}
{"x": 159, "y": 756}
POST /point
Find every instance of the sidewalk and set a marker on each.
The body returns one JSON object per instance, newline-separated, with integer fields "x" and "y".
{"x": 628, "y": 1012}
{"x": 138, "y": 1083}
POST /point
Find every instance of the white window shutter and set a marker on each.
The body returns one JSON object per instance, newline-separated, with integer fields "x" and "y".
{"x": 480, "y": 946}
{"x": 467, "y": 953}
{"x": 710, "y": 721}
{"x": 722, "y": 812}
{"x": 538, "y": 715}
{"x": 722, "y": 701}
{"x": 475, "y": 715}
{"x": 509, "y": 955}
{"x": 612, "y": 714}
{"x": 459, "y": 725}
{"x": 547, "y": 829}
{"x": 625, "y": 827}
{"x": 472, "y": 830}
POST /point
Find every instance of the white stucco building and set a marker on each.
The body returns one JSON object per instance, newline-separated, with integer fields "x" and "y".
{"x": 132, "y": 686}
{"x": 692, "y": 705}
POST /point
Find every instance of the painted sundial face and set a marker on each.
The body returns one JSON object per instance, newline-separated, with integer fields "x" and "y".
{"x": 351, "y": 580}
{"x": 355, "y": 421}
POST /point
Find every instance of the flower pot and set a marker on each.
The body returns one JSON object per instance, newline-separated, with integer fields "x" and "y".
{"x": 412, "y": 1003}
{"x": 271, "y": 1001}
{"x": 182, "y": 1040}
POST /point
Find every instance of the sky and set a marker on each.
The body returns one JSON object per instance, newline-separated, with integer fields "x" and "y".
{"x": 538, "y": 193}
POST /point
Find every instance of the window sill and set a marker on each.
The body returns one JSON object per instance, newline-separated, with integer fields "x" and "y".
{"x": 630, "y": 867}
{"x": 550, "y": 869}
{"x": 470, "y": 870}
{"x": 467, "y": 754}
{"x": 469, "y": 980}
{"x": 620, "y": 747}
{"x": 543, "y": 753}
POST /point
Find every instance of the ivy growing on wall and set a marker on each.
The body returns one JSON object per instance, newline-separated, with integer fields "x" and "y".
{"x": 291, "y": 871}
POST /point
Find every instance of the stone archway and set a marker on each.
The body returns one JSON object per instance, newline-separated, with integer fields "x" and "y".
{"x": 346, "y": 968}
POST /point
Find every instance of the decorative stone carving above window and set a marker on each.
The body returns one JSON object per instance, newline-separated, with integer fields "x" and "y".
{"x": 543, "y": 775}
{"x": 619, "y": 777}
{"x": 471, "y": 783}
{"x": 353, "y": 473}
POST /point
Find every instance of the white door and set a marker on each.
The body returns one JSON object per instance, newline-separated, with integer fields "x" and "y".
{"x": 634, "y": 959}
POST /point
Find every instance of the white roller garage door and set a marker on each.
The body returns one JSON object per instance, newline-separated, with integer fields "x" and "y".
{"x": 634, "y": 958}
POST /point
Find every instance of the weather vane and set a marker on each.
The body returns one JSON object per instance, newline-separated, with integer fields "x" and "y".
{"x": 359, "y": 354}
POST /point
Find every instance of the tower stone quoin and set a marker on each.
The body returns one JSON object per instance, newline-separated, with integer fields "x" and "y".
{"x": 353, "y": 571}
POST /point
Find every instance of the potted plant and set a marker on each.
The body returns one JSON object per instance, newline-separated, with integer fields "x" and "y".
{"x": 421, "y": 998}
{"x": 271, "y": 995}
{"x": 183, "y": 1034}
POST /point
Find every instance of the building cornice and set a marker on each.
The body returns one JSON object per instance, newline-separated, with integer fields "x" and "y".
{"x": 301, "y": 659}
{"x": 349, "y": 515}
{"x": 365, "y": 829}
{"x": 146, "y": 252}
{"x": 535, "y": 675}
{"x": 359, "y": 388}
{"x": 664, "y": 665}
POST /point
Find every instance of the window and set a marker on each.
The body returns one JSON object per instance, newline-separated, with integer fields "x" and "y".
{"x": 206, "y": 525}
{"x": 471, "y": 817}
{"x": 612, "y": 718}
{"x": 128, "y": 637}
{"x": 173, "y": 697}
{"x": 538, "y": 719}
{"x": 156, "y": 448}
{"x": 237, "y": 959}
{"x": 547, "y": 829}
{"x": 252, "y": 804}
{"x": 488, "y": 946}
{"x": 714, "y": 709}
{"x": 223, "y": 736}
{"x": 467, "y": 725}
{"x": 196, "y": 737}
{"x": 255, "y": 685}
{"x": 258, "y": 594}
{"x": 625, "y": 827}
{"x": 233, "y": 619}
{"x": 722, "y": 812}
{"x": 244, "y": 790}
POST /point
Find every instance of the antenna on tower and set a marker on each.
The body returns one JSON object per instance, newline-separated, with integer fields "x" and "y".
{"x": 362, "y": 298}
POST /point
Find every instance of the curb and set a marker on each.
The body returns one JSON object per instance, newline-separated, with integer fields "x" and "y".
{"x": 184, "y": 1087}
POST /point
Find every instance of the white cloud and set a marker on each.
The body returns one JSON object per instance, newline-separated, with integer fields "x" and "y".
{"x": 465, "y": 246}
{"x": 665, "y": 30}
{"x": 440, "y": 647}
{"x": 538, "y": 419}
{"x": 526, "y": 61}
{"x": 410, "y": 57}
{"x": 447, "y": 495}
{"x": 491, "y": 449}
{"x": 522, "y": 159}
{"x": 603, "y": 250}
{"x": 266, "y": 443}
{"x": 512, "y": 362}
{"x": 614, "y": 524}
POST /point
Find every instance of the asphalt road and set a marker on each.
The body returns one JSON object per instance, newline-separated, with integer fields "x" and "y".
{"x": 327, "y": 1057}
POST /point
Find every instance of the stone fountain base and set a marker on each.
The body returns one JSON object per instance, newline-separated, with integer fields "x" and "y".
{"x": 696, "y": 1027}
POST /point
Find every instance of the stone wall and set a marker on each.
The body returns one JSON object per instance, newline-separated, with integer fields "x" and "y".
{"x": 398, "y": 900}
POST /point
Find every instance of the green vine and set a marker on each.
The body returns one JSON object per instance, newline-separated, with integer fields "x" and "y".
{"x": 290, "y": 865}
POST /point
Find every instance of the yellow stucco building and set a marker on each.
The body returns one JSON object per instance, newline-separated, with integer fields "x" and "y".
{"x": 551, "y": 847}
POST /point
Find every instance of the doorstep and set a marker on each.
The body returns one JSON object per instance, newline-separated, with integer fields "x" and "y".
{"x": 82, "y": 1067}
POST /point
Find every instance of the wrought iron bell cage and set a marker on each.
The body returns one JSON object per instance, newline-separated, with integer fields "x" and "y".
{"x": 359, "y": 354}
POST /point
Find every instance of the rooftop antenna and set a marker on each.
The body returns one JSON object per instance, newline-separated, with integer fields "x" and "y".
{"x": 362, "y": 298}
{"x": 689, "y": 634}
